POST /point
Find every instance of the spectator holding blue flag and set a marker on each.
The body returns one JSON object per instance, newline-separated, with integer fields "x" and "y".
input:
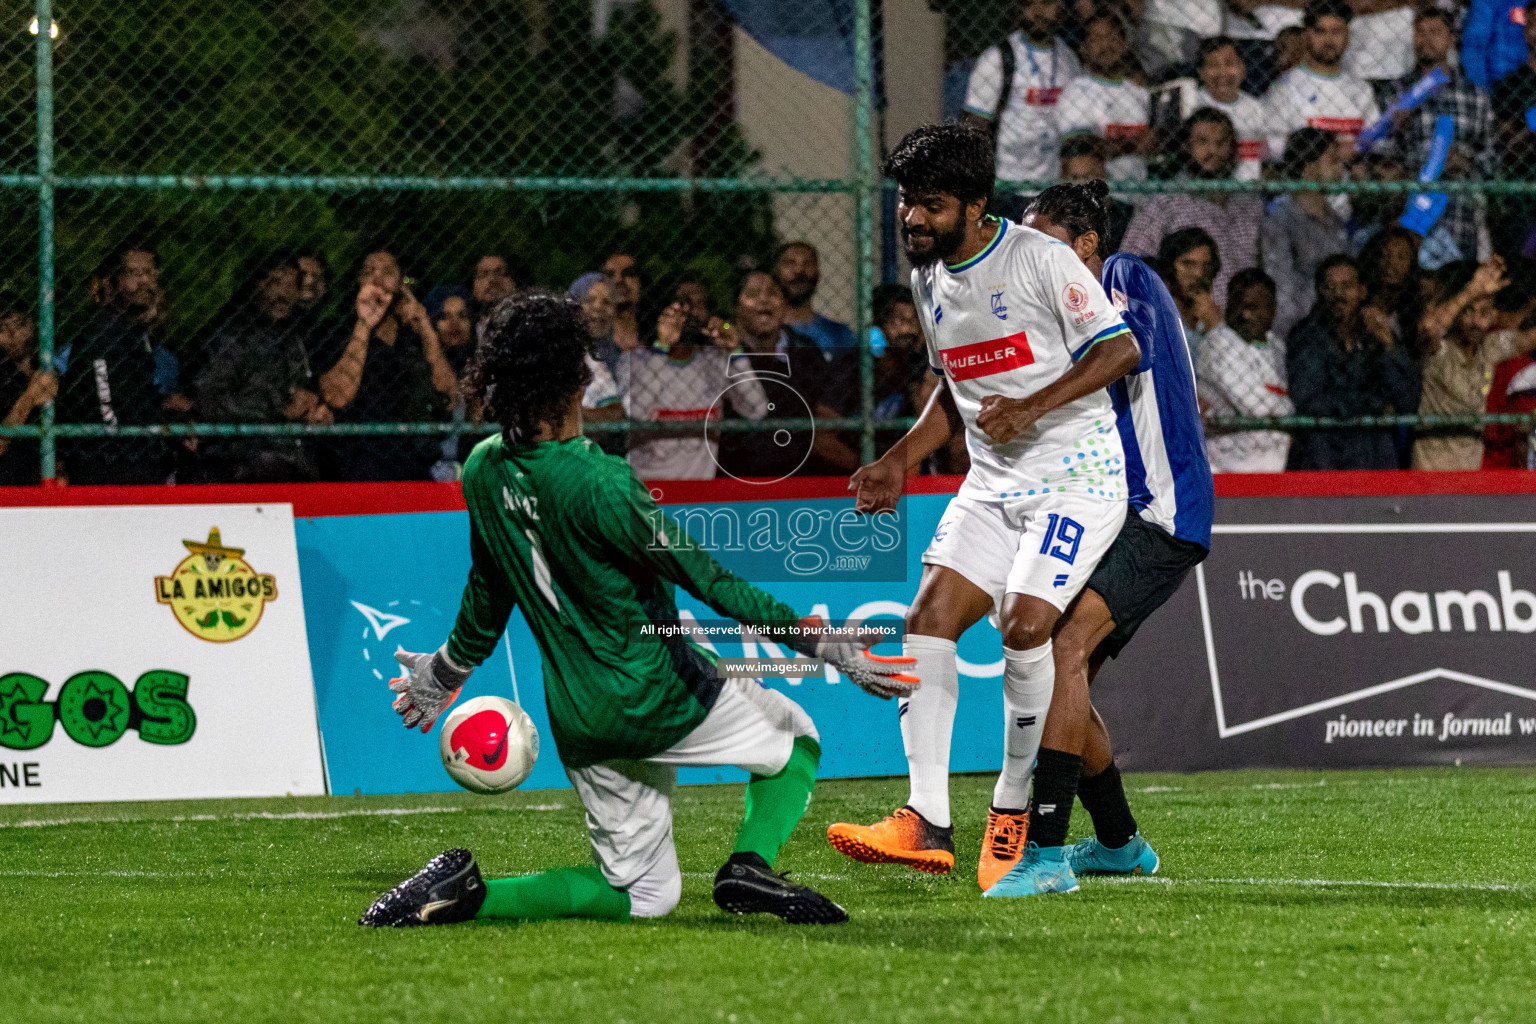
{"x": 1471, "y": 153}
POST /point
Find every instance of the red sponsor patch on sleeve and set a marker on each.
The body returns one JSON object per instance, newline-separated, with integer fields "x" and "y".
{"x": 984, "y": 358}
{"x": 1043, "y": 97}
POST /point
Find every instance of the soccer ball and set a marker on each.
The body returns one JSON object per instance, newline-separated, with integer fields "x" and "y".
{"x": 489, "y": 745}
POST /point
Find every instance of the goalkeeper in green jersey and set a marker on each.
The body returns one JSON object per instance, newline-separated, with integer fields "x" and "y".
{"x": 569, "y": 535}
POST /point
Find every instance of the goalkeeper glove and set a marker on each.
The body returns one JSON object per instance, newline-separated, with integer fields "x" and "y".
{"x": 884, "y": 677}
{"x": 431, "y": 683}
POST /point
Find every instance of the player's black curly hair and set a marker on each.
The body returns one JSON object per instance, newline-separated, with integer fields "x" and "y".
{"x": 532, "y": 359}
{"x": 953, "y": 158}
{"x": 1080, "y": 208}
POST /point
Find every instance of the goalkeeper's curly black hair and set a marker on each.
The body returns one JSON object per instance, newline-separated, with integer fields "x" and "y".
{"x": 1080, "y": 207}
{"x": 953, "y": 158}
{"x": 531, "y": 362}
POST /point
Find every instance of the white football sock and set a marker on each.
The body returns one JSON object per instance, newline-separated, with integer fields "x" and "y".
{"x": 927, "y": 719}
{"x": 1028, "y": 679}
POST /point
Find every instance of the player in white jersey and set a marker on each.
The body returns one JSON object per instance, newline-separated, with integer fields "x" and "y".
{"x": 1026, "y": 341}
{"x": 1317, "y": 93}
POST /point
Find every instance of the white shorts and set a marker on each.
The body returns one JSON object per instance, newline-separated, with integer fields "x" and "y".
{"x": 1045, "y": 546}
{"x": 629, "y": 803}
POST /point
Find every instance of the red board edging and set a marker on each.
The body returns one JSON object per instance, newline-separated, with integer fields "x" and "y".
{"x": 308, "y": 500}
{"x": 312, "y": 500}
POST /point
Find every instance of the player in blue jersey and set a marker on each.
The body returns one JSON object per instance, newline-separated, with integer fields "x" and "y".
{"x": 1167, "y": 533}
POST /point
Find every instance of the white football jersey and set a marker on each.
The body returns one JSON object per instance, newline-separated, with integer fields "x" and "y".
{"x": 1027, "y": 138}
{"x": 1009, "y": 321}
{"x": 1302, "y": 98}
{"x": 1237, "y": 378}
{"x": 694, "y": 393}
{"x": 1251, "y": 121}
{"x": 1380, "y": 44}
{"x": 1110, "y": 110}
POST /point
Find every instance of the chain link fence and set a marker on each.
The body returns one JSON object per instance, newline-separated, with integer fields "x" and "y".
{"x": 201, "y": 203}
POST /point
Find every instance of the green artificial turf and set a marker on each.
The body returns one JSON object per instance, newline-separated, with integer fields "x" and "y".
{"x": 1361, "y": 896}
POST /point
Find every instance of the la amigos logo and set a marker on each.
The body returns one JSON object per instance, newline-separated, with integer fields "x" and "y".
{"x": 95, "y": 709}
{"x": 214, "y": 593}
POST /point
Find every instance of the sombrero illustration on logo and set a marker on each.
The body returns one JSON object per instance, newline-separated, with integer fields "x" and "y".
{"x": 214, "y": 593}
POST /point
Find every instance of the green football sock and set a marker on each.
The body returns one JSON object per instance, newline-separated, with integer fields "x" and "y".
{"x": 776, "y": 802}
{"x": 564, "y": 892}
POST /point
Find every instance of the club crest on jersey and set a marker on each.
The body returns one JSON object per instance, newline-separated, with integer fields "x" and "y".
{"x": 1119, "y": 301}
{"x": 998, "y": 309}
{"x": 984, "y": 358}
{"x": 1075, "y": 297}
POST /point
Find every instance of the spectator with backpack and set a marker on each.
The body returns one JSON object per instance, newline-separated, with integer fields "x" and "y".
{"x": 1015, "y": 89}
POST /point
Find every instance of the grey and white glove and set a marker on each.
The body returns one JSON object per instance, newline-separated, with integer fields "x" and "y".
{"x": 431, "y": 683}
{"x": 884, "y": 677}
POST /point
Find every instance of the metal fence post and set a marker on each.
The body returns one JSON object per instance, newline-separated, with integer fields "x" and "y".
{"x": 863, "y": 217}
{"x": 45, "y": 322}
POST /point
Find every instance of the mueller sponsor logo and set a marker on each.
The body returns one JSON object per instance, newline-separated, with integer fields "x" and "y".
{"x": 984, "y": 358}
{"x": 1327, "y": 604}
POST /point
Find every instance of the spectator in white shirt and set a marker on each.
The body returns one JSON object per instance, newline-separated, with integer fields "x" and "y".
{"x": 1318, "y": 93}
{"x": 1380, "y": 39}
{"x": 685, "y": 382}
{"x": 1021, "y": 109}
{"x": 1241, "y": 372}
{"x": 1221, "y": 71}
{"x": 1105, "y": 102}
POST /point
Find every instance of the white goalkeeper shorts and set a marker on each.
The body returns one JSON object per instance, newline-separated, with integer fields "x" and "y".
{"x": 1045, "y": 546}
{"x": 629, "y": 803}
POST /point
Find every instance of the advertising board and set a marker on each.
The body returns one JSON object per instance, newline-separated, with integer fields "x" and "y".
{"x": 153, "y": 653}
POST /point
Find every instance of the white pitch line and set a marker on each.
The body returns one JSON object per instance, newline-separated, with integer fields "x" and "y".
{"x": 793, "y": 875}
{"x": 391, "y": 812}
{"x": 1317, "y": 882}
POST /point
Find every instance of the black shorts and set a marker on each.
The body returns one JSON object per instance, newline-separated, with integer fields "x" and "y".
{"x": 1141, "y": 570}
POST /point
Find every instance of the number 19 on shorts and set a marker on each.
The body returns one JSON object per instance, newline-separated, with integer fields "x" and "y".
{"x": 1062, "y": 536}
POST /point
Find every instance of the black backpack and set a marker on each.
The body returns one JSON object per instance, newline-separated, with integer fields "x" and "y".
{"x": 1010, "y": 68}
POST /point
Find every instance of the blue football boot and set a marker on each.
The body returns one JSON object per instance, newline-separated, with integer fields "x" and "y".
{"x": 1091, "y": 857}
{"x": 1042, "y": 869}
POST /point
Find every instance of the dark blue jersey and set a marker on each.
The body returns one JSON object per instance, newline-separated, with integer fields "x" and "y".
{"x": 1156, "y": 410}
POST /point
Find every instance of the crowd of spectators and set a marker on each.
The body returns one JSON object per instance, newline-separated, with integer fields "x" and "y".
{"x": 1308, "y": 300}
{"x": 1311, "y": 300}
{"x": 273, "y": 355}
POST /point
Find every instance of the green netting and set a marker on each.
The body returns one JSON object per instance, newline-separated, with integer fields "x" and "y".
{"x": 691, "y": 135}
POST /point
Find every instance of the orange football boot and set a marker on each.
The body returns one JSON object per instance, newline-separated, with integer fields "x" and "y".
{"x": 1002, "y": 846}
{"x": 905, "y": 837}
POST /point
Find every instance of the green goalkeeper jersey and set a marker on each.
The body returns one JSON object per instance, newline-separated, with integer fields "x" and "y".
{"x": 574, "y": 538}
